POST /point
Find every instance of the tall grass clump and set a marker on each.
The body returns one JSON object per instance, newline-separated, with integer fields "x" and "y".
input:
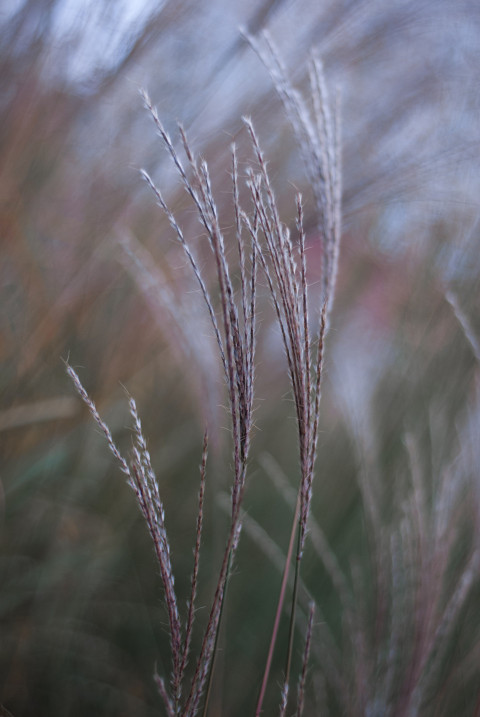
{"x": 401, "y": 647}
{"x": 264, "y": 244}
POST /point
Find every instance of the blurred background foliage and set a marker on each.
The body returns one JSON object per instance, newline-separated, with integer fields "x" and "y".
{"x": 81, "y": 614}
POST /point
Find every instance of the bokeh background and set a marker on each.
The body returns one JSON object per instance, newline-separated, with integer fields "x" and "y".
{"x": 81, "y": 613}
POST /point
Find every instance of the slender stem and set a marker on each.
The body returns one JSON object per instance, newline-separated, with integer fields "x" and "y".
{"x": 215, "y": 646}
{"x": 291, "y": 631}
{"x": 278, "y": 613}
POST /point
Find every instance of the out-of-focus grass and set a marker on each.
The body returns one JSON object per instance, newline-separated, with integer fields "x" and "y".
{"x": 81, "y": 615}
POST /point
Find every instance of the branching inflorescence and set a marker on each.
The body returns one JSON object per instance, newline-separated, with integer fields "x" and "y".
{"x": 264, "y": 244}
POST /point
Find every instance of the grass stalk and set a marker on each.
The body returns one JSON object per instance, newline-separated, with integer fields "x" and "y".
{"x": 279, "y": 610}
